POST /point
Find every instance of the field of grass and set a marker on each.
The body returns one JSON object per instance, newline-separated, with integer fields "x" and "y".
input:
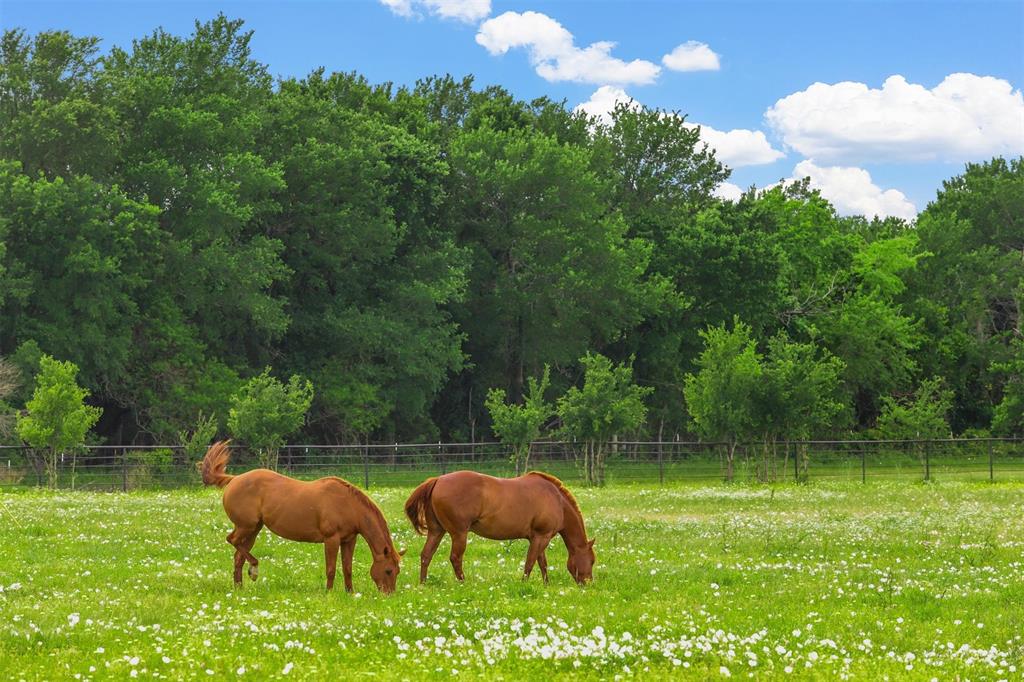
{"x": 833, "y": 579}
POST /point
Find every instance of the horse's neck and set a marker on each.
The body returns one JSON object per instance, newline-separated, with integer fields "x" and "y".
{"x": 573, "y": 532}
{"x": 373, "y": 530}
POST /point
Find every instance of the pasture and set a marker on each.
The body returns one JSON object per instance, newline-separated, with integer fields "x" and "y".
{"x": 834, "y": 579}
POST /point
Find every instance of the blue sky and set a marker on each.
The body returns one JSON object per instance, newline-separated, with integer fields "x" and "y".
{"x": 871, "y": 142}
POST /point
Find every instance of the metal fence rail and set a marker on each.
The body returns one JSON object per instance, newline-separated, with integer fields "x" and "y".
{"x": 142, "y": 467}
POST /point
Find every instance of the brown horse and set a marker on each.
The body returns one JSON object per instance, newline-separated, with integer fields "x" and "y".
{"x": 535, "y": 506}
{"x": 329, "y": 510}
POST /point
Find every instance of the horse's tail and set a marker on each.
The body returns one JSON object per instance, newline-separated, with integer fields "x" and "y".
{"x": 214, "y": 464}
{"x": 418, "y": 505}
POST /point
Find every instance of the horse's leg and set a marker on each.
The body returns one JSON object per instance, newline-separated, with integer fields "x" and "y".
{"x": 433, "y": 540}
{"x": 531, "y": 555}
{"x": 237, "y": 538}
{"x": 347, "y": 549}
{"x": 538, "y": 545}
{"x": 542, "y": 561}
{"x": 458, "y": 549}
{"x": 239, "y": 560}
{"x": 246, "y": 546}
{"x": 331, "y": 546}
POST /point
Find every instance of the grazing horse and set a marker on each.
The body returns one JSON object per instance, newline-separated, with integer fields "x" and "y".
{"x": 534, "y": 506}
{"x": 329, "y": 510}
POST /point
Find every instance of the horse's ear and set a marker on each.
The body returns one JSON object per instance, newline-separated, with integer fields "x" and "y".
{"x": 591, "y": 543}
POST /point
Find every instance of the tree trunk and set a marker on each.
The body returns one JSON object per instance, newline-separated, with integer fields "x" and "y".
{"x": 51, "y": 469}
{"x": 729, "y": 460}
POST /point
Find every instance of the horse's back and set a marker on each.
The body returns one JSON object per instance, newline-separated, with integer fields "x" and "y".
{"x": 497, "y": 508}
{"x": 293, "y": 509}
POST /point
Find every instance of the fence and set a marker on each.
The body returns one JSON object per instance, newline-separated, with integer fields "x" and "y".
{"x": 138, "y": 467}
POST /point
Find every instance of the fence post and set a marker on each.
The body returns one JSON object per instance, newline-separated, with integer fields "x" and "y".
{"x": 863, "y": 465}
{"x": 927, "y": 460}
{"x": 444, "y": 462}
{"x": 366, "y": 467}
{"x": 124, "y": 469}
{"x": 796, "y": 463}
{"x": 991, "y": 467}
{"x": 661, "y": 466}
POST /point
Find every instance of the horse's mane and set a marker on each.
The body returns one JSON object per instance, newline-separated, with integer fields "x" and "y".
{"x": 561, "y": 488}
{"x": 372, "y": 507}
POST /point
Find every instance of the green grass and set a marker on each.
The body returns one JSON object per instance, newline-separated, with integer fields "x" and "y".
{"x": 828, "y": 580}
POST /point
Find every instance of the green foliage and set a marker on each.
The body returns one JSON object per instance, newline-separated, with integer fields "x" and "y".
{"x": 800, "y": 389}
{"x": 607, "y": 404}
{"x": 799, "y": 398}
{"x": 969, "y": 291}
{"x": 172, "y": 219}
{"x": 197, "y": 440}
{"x": 10, "y": 380}
{"x": 56, "y": 417}
{"x": 1009, "y": 413}
{"x": 519, "y": 425}
{"x": 25, "y": 359}
{"x": 152, "y": 466}
{"x": 721, "y": 397}
{"x": 264, "y": 412}
{"x": 553, "y": 272}
{"x": 923, "y": 416}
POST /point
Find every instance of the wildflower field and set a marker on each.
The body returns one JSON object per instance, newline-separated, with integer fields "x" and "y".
{"x": 915, "y": 581}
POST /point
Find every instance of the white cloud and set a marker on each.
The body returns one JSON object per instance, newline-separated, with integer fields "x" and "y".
{"x": 691, "y": 56}
{"x": 402, "y": 8}
{"x": 553, "y": 52}
{"x": 603, "y": 101}
{"x": 965, "y": 117}
{"x": 469, "y": 11}
{"x": 852, "y": 191}
{"x": 739, "y": 147}
{"x": 728, "y": 191}
{"x": 735, "y": 148}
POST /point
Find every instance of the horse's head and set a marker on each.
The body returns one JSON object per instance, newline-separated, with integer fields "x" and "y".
{"x": 581, "y": 563}
{"x": 384, "y": 570}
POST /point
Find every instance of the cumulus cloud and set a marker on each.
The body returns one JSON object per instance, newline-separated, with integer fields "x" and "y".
{"x": 739, "y": 147}
{"x": 691, "y": 56}
{"x": 735, "y": 148}
{"x": 469, "y": 11}
{"x": 728, "y": 191}
{"x": 852, "y": 191}
{"x": 603, "y": 101}
{"x": 965, "y": 117}
{"x": 554, "y": 54}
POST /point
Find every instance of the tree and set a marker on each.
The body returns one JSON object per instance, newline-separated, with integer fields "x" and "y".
{"x": 1009, "y": 412}
{"x": 923, "y": 416}
{"x": 662, "y": 178}
{"x": 373, "y": 265}
{"x": 56, "y": 417}
{"x": 196, "y": 441}
{"x": 609, "y": 403}
{"x": 799, "y": 396}
{"x": 722, "y": 396}
{"x": 10, "y": 380}
{"x": 969, "y": 290}
{"x": 265, "y": 412}
{"x": 519, "y": 426}
{"x": 553, "y": 272}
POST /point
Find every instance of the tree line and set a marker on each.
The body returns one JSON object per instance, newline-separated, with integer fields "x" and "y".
{"x": 195, "y": 236}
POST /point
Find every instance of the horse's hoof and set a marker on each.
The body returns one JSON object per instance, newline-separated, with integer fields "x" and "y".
{"x": 254, "y": 573}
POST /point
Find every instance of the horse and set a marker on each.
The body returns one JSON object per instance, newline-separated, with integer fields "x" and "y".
{"x": 534, "y": 506}
{"x": 330, "y": 510}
